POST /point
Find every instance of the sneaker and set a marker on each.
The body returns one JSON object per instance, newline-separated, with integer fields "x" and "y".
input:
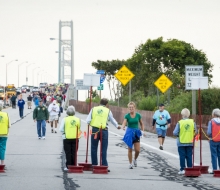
{"x": 52, "y": 130}
{"x": 135, "y": 163}
{"x": 65, "y": 169}
{"x": 39, "y": 137}
{"x": 130, "y": 166}
{"x": 161, "y": 147}
{"x": 55, "y": 131}
{"x": 181, "y": 172}
{"x": 43, "y": 138}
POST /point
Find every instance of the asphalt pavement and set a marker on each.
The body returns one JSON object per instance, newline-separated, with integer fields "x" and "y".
{"x": 34, "y": 164}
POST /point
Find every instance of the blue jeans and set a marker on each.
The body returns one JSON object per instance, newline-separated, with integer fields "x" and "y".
{"x": 215, "y": 154}
{"x": 3, "y": 141}
{"x": 94, "y": 146}
{"x": 41, "y": 124}
{"x": 185, "y": 153}
{"x": 21, "y": 111}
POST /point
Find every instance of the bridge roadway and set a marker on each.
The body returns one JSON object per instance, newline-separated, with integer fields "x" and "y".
{"x": 34, "y": 164}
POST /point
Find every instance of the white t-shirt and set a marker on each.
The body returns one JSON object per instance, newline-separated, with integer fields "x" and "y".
{"x": 53, "y": 109}
{"x": 48, "y": 98}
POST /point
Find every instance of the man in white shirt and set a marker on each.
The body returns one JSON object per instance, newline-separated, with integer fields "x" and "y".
{"x": 53, "y": 110}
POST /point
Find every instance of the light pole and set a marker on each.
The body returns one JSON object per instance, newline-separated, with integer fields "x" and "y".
{"x": 7, "y": 77}
{"x": 33, "y": 74}
{"x": 18, "y": 69}
{"x": 43, "y": 76}
{"x": 27, "y": 71}
{"x": 7, "y": 70}
{"x": 38, "y": 76}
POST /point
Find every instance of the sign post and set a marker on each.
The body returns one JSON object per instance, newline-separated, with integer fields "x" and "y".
{"x": 163, "y": 83}
{"x": 124, "y": 75}
{"x": 192, "y": 71}
{"x": 198, "y": 83}
{"x": 89, "y": 80}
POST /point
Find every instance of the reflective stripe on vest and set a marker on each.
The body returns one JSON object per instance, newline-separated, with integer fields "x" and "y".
{"x": 4, "y": 123}
{"x": 71, "y": 122}
{"x": 186, "y": 131}
{"x": 215, "y": 132}
{"x": 99, "y": 116}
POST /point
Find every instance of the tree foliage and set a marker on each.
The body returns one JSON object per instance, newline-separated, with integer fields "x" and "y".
{"x": 150, "y": 60}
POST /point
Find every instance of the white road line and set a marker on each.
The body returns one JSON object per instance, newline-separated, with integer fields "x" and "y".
{"x": 147, "y": 145}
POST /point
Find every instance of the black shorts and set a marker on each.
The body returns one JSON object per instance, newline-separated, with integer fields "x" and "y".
{"x": 137, "y": 139}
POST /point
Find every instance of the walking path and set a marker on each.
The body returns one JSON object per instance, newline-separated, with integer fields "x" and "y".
{"x": 34, "y": 164}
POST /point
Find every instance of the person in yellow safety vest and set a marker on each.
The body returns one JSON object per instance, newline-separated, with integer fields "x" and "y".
{"x": 4, "y": 129}
{"x": 97, "y": 118}
{"x": 213, "y": 132}
{"x": 68, "y": 127}
{"x": 185, "y": 131}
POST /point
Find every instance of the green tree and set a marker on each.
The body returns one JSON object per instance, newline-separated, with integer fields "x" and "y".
{"x": 153, "y": 58}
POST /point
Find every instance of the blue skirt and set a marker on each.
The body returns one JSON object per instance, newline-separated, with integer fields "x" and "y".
{"x": 3, "y": 141}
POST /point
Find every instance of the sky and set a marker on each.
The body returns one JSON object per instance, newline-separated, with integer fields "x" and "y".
{"x": 103, "y": 30}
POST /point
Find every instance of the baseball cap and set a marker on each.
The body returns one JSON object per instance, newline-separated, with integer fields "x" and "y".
{"x": 161, "y": 105}
{"x": 40, "y": 100}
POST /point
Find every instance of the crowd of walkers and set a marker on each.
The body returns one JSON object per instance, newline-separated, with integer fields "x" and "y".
{"x": 49, "y": 106}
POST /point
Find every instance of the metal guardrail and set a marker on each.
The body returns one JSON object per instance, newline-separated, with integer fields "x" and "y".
{"x": 70, "y": 95}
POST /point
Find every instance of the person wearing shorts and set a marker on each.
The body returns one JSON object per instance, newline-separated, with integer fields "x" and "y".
{"x": 133, "y": 133}
{"x": 53, "y": 110}
{"x": 29, "y": 99}
{"x": 162, "y": 119}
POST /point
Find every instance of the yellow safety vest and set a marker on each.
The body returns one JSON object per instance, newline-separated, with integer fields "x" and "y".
{"x": 71, "y": 122}
{"x": 4, "y": 123}
{"x": 99, "y": 116}
{"x": 186, "y": 131}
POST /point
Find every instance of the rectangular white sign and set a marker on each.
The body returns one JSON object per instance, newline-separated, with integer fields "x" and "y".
{"x": 80, "y": 86}
{"x": 90, "y": 79}
{"x": 199, "y": 83}
{"x": 192, "y": 71}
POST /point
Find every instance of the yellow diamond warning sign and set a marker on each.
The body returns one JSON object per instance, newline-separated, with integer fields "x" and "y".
{"x": 163, "y": 83}
{"x": 124, "y": 75}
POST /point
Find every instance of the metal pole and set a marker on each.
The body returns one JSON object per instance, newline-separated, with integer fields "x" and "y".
{"x": 90, "y": 102}
{"x": 157, "y": 97}
{"x": 118, "y": 93}
{"x": 6, "y": 84}
{"x": 6, "y": 74}
{"x": 59, "y": 65}
{"x": 18, "y": 75}
{"x": 130, "y": 91}
{"x": 200, "y": 127}
{"x": 63, "y": 65}
{"x": 26, "y": 75}
{"x": 193, "y": 102}
{"x": 169, "y": 96}
{"x": 27, "y": 72}
{"x": 33, "y": 75}
{"x": 72, "y": 55}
